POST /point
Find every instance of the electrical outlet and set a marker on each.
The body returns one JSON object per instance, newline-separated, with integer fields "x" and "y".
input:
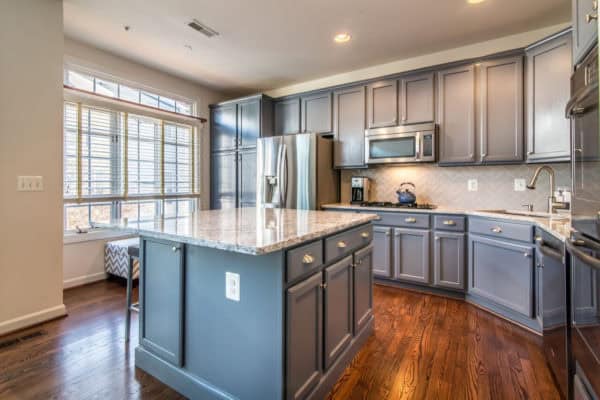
{"x": 520, "y": 185}
{"x": 232, "y": 286}
{"x": 472, "y": 185}
{"x": 30, "y": 183}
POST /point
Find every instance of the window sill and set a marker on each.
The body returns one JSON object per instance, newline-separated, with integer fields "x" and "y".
{"x": 95, "y": 234}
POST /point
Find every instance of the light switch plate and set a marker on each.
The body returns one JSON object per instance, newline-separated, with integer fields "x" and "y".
{"x": 520, "y": 185}
{"x": 232, "y": 286}
{"x": 472, "y": 185}
{"x": 30, "y": 183}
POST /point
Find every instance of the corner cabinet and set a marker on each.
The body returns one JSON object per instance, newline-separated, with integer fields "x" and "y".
{"x": 547, "y": 93}
{"x": 585, "y": 27}
{"x": 349, "y": 127}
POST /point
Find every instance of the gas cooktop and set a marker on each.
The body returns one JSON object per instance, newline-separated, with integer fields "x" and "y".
{"x": 388, "y": 204}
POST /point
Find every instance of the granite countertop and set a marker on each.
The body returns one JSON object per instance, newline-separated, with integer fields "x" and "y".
{"x": 559, "y": 227}
{"x": 253, "y": 231}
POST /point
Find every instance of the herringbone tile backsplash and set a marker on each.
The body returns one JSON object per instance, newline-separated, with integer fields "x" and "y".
{"x": 447, "y": 186}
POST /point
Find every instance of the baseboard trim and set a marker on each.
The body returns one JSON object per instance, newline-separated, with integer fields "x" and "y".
{"x": 84, "y": 280}
{"x": 35, "y": 318}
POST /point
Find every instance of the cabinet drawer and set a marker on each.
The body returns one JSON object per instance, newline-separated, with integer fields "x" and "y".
{"x": 346, "y": 242}
{"x": 449, "y": 223}
{"x": 304, "y": 260}
{"x": 501, "y": 229}
{"x": 407, "y": 220}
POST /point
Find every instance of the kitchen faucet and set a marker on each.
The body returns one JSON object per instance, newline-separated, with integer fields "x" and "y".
{"x": 553, "y": 205}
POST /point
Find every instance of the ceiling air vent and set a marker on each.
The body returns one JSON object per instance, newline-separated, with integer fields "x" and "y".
{"x": 205, "y": 30}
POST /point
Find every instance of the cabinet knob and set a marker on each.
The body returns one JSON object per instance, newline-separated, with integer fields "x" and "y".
{"x": 437, "y": 238}
{"x": 341, "y": 244}
{"x": 449, "y": 222}
{"x": 526, "y": 255}
{"x": 308, "y": 259}
{"x": 410, "y": 220}
{"x": 590, "y": 17}
{"x": 175, "y": 248}
{"x": 365, "y": 235}
{"x": 387, "y": 234}
{"x": 323, "y": 286}
{"x": 529, "y": 153}
{"x": 497, "y": 229}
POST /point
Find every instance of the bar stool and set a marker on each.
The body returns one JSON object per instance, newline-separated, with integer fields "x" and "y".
{"x": 134, "y": 254}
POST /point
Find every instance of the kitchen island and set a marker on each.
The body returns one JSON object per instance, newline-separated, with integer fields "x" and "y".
{"x": 253, "y": 303}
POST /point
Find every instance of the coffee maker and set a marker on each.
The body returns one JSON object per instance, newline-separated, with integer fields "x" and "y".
{"x": 360, "y": 189}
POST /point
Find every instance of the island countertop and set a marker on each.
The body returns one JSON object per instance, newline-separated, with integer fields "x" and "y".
{"x": 253, "y": 231}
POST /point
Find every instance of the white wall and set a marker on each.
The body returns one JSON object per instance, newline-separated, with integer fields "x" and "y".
{"x": 31, "y": 60}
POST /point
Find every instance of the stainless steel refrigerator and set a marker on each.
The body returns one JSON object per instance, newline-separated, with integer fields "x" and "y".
{"x": 296, "y": 171}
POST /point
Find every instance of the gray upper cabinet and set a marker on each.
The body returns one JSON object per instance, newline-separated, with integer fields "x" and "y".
{"x": 585, "y": 27}
{"x": 382, "y": 104}
{"x": 338, "y": 309}
{"x": 417, "y": 99}
{"x": 382, "y": 253}
{"x": 349, "y": 127}
{"x": 287, "y": 116}
{"x": 449, "y": 260}
{"x": 363, "y": 288}
{"x": 304, "y": 347}
{"x": 547, "y": 92}
{"x": 456, "y": 115}
{"x": 224, "y": 180}
{"x": 248, "y": 123}
{"x": 247, "y": 178}
{"x": 224, "y": 128}
{"x": 316, "y": 112}
{"x": 501, "y": 110}
{"x": 411, "y": 255}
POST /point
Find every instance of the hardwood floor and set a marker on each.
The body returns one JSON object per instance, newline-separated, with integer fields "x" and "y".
{"x": 424, "y": 347}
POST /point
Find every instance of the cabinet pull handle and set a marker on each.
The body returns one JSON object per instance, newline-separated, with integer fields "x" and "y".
{"x": 590, "y": 17}
{"x": 365, "y": 235}
{"x": 449, "y": 222}
{"x": 308, "y": 259}
{"x": 341, "y": 244}
{"x": 175, "y": 248}
{"x": 594, "y": 5}
{"x": 410, "y": 220}
{"x": 497, "y": 229}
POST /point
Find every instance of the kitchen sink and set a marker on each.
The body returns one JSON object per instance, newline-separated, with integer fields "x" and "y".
{"x": 533, "y": 214}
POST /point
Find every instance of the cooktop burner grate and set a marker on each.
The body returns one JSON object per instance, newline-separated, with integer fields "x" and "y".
{"x": 389, "y": 204}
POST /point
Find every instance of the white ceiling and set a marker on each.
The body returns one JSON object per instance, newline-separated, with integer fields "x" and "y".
{"x": 265, "y": 44}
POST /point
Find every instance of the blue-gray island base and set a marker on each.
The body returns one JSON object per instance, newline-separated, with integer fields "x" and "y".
{"x": 303, "y": 313}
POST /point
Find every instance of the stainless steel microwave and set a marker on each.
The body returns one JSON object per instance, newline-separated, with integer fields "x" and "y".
{"x": 400, "y": 144}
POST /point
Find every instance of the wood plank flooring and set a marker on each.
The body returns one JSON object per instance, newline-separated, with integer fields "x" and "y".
{"x": 424, "y": 347}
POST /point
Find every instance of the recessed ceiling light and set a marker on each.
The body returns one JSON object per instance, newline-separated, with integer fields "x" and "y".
{"x": 475, "y": 1}
{"x": 342, "y": 37}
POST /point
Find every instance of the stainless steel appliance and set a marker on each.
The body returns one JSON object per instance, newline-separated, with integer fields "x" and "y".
{"x": 360, "y": 187}
{"x": 584, "y": 245}
{"x": 400, "y": 144}
{"x": 295, "y": 171}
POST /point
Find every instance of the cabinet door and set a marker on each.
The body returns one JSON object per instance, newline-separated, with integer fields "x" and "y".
{"x": 223, "y": 180}
{"x": 249, "y": 123}
{"x": 382, "y": 254}
{"x": 287, "y": 116}
{"x": 161, "y": 299}
{"x": 501, "y": 110}
{"x": 304, "y": 337}
{"x": 585, "y": 29}
{"x": 363, "y": 288}
{"x": 456, "y": 115}
{"x": 338, "y": 309}
{"x": 382, "y": 104}
{"x": 411, "y": 255}
{"x": 247, "y": 178}
{"x": 316, "y": 113}
{"x": 502, "y": 272}
{"x": 349, "y": 127}
{"x": 449, "y": 260}
{"x": 224, "y": 128}
{"x": 548, "y": 90}
{"x": 416, "y": 99}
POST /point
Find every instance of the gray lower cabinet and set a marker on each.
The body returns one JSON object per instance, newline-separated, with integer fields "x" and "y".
{"x": 411, "y": 255}
{"x": 501, "y": 110}
{"x": 287, "y": 116}
{"x": 449, "y": 260}
{"x": 382, "y": 251}
{"x": 349, "y": 127}
{"x": 247, "y": 178}
{"x": 224, "y": 180}
{"x": 161, "y": 292}
{"x": 363, "y": 288}
{"x": 585, "y": 27}
{"x": 547, "y": 93}
{"x": 456, "y": 115}
{"x": 585, "y": 299}
{"x": 382, "y": 104}
{"x": 304, "y": 346}
{"x": 338, "y": 309}
{"x": 316, "y": 113}
{"x": 503, "y": 273}
{"x": 417, "y": 99}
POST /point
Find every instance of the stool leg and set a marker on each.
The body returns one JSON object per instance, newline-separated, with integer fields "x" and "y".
{"x": 129, "y": 290}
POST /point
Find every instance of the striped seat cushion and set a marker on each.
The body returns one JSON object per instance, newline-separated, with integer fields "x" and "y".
{"x": 116, "y": 257}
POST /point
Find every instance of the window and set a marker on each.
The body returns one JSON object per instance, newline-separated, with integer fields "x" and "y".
{"x": 119, "y": 165}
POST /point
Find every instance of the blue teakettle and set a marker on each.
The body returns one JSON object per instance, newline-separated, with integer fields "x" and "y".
{"x": 405, "y": 196}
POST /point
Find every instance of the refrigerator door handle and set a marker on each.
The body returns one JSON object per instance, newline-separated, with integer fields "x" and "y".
{"x": 284, "y": 177}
